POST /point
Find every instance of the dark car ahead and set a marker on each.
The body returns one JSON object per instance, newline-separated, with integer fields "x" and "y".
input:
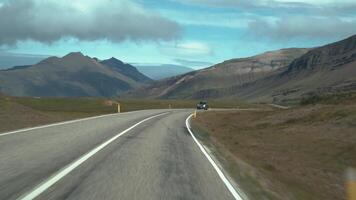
{"x": 203, "y": 105}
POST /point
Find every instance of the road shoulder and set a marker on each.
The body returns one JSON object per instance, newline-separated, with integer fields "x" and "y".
{"x": 243, "y": 175}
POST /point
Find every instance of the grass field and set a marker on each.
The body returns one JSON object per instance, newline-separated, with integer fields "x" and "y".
{"x": 135, "y": 104}
{"x": 331, "y": 99}
{"x": 299, "y": 153}
{"x": 16, "y": 113}
{"x": 21, "y": 112}
{"x": 69, "y": 105}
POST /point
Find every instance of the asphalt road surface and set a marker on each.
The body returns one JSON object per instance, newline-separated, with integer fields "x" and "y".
{"x": 152, "y": 159}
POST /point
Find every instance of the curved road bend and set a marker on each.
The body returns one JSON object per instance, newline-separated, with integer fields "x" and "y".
{"x": 157, "y": 159}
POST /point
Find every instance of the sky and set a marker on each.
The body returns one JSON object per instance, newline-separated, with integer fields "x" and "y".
{"x": 193, "y": 33}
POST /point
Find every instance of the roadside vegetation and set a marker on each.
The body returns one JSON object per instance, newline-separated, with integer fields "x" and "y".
{"x": 338, "y": 98}
{"x": 16, "y": 112}
{"x": 85, "y": 106}
{"x": 22, "y": 112}
{"x": 141, "y": 104}
{"x": 299, "y": 153}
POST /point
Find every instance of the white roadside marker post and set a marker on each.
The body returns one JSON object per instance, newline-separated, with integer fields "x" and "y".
{"x": 351, "y": 184}
{"x": 118, "y": 108}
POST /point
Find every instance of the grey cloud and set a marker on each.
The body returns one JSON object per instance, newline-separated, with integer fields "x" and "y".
{"x": 49, "y": 21}
{"x": 303, "y": 27}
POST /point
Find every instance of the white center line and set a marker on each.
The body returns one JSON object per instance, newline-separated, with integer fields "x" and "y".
{"x": 67, "y": 169}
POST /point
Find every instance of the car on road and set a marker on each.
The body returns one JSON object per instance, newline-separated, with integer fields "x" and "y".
{"x": 203, "y": 105}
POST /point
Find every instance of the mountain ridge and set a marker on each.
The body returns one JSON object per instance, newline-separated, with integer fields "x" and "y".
{"x": 323, "y": 70}
{"x": 126, "y": 69}
{"x": 225, "y": 74}
{"x": 281, "y": 76}
{"x": 72, "y": 75}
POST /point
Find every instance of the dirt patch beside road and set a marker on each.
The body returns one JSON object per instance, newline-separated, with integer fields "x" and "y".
{"x": 300, "y": 153}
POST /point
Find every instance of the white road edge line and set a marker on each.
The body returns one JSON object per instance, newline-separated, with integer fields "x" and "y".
{"x": 63, "y": 123}
{"x": 227, "y": 183}
{"x": 70, "y": 167}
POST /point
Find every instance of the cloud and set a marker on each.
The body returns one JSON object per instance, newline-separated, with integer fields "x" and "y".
{"x": 206, "y": 18}
{"x": 265, "y": 3}
{"x": 283, "y": 19}
{"x": 317, "y": 2}
{"x": 193, "y": 63}
{"x": 220, "y": 3}
{"x": 48, "y": 21}
{"x": 187, "y": 49}
{"x": 342, "y": 7}
{"x": 242, "y": 3}
{"x": 303, "y": 27}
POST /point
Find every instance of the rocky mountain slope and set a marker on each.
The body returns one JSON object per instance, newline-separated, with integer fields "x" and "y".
{"x": 287, "y": 75}
{"x": 324, "y": 70}
{"x": 73, "y": 75}
{"x": 197, "y": 84}
{"x": 126, "y": 69}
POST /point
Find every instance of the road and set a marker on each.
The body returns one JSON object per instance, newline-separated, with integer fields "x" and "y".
{"x": 138, "y": 155}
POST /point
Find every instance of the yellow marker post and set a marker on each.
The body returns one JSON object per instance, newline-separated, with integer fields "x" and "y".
{"x": 170, "y": 106}
{"x": 195, "y": 114}
{"x": 118, "y": 108}
{"x": 351, "y": 184}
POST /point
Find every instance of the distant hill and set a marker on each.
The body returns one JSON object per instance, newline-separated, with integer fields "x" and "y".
{"x": 73, "y": 75}
{"x": 284, "y": 76}
{"x": 158, "y": 72}
{"x": 198, "y": 84}
{"x": 8, "y": 60}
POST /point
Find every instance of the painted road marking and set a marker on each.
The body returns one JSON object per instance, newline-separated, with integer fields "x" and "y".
{"x": 63, "y": 123}
{"x": 217, "y": 169}
{"x": 67, "y": 169}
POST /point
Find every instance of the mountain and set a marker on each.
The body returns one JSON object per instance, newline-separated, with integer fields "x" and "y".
{"x": 126, "y": 69}
{"x": 71, "y": 76}
{"x": 324, "y": 70}
{"x": 284, "y": 76}
{"x": 158, "y": 72}
{"x": 231, "y": 73}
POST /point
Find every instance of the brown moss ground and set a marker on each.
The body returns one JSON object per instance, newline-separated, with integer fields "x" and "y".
{"x": 304, "y": 150}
